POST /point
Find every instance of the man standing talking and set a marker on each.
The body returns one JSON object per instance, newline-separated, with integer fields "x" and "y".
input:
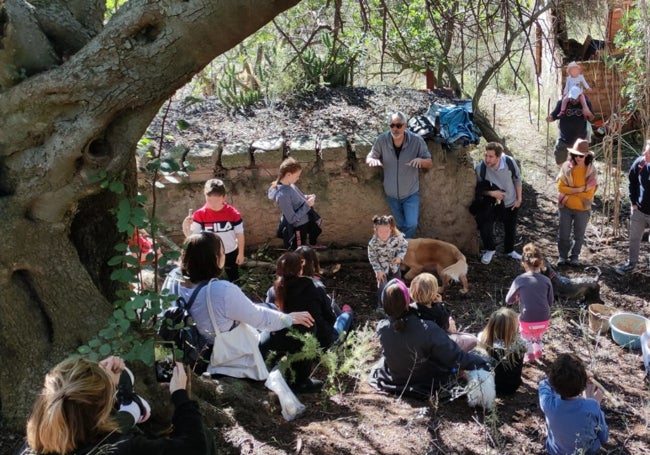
{"x": 498, "y": 177}
{"x": 639, "y": 190}
{"x": 402, "y": 154}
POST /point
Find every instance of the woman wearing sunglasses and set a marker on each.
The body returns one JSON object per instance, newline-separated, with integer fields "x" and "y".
{"x": 576, "y": 183}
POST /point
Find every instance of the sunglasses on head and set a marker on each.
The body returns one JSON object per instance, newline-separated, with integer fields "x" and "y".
{"x": 396, "y": 125}
{"x": 382, "y": 220}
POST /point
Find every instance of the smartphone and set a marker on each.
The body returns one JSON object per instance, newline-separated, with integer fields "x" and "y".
{"x": 164, "y": 361}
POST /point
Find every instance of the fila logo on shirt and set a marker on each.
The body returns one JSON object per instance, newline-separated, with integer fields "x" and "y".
{"x": 219, "y": 227}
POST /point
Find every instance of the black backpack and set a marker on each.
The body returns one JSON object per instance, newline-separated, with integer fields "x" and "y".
{"x": 509, "y": 162}
{"x": 178, "y": 326}
{"x": 422, "y": 126}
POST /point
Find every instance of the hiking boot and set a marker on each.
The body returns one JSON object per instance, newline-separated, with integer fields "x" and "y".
{"x": 487, "y": 256}
{"x": 624, "y": 268}
{"x": 561, "y": 262}
{"x": 575, "y": 263}
{"x": 514, "y": 255}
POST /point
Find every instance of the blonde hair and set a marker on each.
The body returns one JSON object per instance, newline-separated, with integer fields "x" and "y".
{"x": 502, "y": 326}
{"x": 532, "y": 257}
{"x": 573, "y": 65}
{"x": 424, "y": 288}
{"x": 73, "y": 408}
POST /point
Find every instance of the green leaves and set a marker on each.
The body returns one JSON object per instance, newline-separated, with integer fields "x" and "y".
{"x": 130, "y": 330}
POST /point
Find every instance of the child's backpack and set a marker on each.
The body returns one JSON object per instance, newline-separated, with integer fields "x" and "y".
{"x": 179, "y": 327}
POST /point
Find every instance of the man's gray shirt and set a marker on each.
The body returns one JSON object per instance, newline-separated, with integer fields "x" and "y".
{"x": 400, "y": 180}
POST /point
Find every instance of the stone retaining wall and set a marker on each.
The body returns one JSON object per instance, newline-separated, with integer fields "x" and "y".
{"x": 348, "y": 193}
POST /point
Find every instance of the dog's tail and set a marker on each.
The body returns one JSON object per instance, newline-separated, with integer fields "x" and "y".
{"x": 598, "y": 272}
{"x": 457, "y": 269}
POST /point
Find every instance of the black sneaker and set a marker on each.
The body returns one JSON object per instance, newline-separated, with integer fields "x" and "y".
{"x": 308, "y": 386}
{"x": 624, "y": 268}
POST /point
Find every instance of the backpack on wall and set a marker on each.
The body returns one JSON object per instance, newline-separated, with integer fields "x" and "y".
{"x": 179, "y": 327}
{"x": 422, "y": 126}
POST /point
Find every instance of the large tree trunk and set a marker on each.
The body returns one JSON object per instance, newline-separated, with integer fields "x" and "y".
{"x": 75, "y": 99}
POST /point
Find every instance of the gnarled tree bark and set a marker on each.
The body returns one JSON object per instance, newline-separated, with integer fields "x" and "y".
{"x": 76, "y": 96}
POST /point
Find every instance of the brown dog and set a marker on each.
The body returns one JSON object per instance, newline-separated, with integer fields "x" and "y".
{"x": 429, "y": 254}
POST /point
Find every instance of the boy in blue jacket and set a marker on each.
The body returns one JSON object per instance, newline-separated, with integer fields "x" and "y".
{"x": 571, "y": 405}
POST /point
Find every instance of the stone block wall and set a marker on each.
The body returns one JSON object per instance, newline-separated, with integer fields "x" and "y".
{"x": 348, "y": 193}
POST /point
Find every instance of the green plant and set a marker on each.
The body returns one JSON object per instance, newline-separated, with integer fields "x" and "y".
{"x": 632, "y": 40}
{"x": 131, "y": 329}
{"x": 349, "y": 358}
{"x": 236, "y": 93}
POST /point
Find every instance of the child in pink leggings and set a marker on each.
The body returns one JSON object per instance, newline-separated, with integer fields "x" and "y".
{"x": 534, "y": 292}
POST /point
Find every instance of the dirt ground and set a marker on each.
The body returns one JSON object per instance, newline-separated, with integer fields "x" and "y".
{"x": 361, "y": 420}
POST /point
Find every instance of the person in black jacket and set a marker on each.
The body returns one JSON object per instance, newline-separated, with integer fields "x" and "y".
{"x": 572, "y": 126}
{"x": 74, "y": 415}
{"x": 294, "y": 292}
{"x": 639, "y": 191}
{"x": 418, "y": 356}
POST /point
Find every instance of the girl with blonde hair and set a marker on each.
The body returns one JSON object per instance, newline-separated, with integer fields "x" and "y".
{"x": 424, "y": 291}
{"x": 501, "y": 340}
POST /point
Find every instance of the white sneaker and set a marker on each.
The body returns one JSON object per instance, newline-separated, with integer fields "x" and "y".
{"x": 487, "y": 256}
{"x": 514, "y": 255}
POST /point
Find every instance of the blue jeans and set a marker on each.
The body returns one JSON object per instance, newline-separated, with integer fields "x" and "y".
{"x": 406, "y": 212}
{"x": 343, "y": 323}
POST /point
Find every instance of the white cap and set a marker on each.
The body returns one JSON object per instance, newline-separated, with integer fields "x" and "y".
{"x": 575, "y": 92}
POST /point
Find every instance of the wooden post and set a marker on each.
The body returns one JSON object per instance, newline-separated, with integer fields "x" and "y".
{"x": 548, "y": 128}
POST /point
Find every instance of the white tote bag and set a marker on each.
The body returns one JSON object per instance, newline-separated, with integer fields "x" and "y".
{"x": 236, "y": 353}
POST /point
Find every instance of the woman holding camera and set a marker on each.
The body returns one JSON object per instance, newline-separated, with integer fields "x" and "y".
{"x": 74, "y": 414}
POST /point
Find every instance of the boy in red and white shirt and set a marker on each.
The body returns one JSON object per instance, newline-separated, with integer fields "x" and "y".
{"x": 224, "y": 220}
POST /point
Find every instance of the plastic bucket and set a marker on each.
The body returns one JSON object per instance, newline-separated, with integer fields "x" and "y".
{"x": 599, "y": 317}
{"x": 627, "y": 329}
